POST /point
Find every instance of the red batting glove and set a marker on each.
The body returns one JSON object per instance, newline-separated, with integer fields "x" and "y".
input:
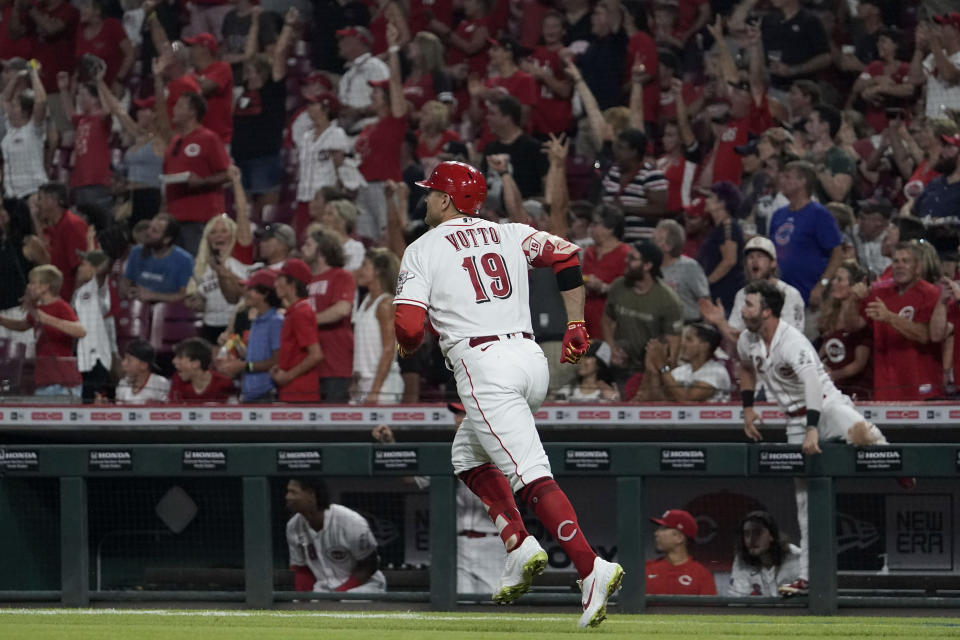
{"x": 575, "y": 342}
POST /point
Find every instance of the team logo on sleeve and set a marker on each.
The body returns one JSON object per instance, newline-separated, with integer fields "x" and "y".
{"x": 906, "y": 312}
{"x": 402, "y": 279}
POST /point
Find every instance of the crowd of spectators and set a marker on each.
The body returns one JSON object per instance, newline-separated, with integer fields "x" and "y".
{"x": 207, "y": 201}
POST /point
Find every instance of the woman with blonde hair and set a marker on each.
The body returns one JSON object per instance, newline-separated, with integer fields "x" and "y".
{"x": 340, "y": 217}
{"x": 434, "y": 135}
{"x": 375, "y": 370}
{"x": 427, "y": 80}
{"x": 214, "y": 263}
{"x": 846, "y": 351}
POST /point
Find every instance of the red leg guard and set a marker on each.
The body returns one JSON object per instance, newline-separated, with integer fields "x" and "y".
{"x": 492, "y": 488}
{"x": 556, "y": 513}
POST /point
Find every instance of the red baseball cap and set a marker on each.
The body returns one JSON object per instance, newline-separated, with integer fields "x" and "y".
{"x": 696, "y": 208}
{"x": 145, "y": 103}
{"x": 329, "y": 101}
{"x": 319, "y": 77}
{"x": 679, "y": 520}
{"x": 954, "y": 139}
{"x": 262, "y": 277}
{"x": 357, "y": 32}
{"x": 205, "y": 40}
{"x": 298, "y": 270}
{"x": 951, "y": 19}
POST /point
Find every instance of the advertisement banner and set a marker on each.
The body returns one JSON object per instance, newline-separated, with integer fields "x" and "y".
{"x": 920, "y": 532}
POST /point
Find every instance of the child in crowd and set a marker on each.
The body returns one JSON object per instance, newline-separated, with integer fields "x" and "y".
{"x": 56, "y": 326}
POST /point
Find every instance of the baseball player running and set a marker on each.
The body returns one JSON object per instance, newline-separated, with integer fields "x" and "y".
{"x": 784, "y": 360}
{"x": 471, "y": 275}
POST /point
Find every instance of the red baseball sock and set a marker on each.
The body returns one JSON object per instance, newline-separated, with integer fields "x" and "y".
{"x": 556, "y": 513}
{"x": 490, "y": 485}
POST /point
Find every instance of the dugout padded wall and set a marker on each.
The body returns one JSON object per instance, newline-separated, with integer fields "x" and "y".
{"x": 29, "y": 534}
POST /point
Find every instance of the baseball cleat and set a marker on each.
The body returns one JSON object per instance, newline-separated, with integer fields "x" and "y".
{"x": 798, "y": 587}
{"x": 523, "y": 564}
{"x": 597, "y": 588}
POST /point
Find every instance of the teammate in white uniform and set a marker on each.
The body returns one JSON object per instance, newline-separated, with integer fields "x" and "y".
{"x": 480, "y": 553}
{"x": 331, "y": 547}
{"x": 764, "y": 561}
{"x": 471, "y": 275}
{"x": 782, "y": 358}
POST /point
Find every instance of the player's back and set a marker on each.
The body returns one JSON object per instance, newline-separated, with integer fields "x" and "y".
{"x": 471, "y": 276}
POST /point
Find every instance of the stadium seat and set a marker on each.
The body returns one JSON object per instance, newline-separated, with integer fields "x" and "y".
{"x": 172, "y": 322}
{"x": 12, "y": 361}
{"x": 133, "y": 321}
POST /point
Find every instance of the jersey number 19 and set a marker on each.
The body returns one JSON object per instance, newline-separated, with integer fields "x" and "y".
{"x": 496, "y": 270}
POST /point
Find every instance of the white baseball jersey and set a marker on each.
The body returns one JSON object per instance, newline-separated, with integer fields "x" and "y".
{"x": 471, "y": 276}
{"x": 332, "y": 553}
{"x": 156, "y": 389}
{"x": 747, "y": 580}
{"x": 316, "y": 162}
{"x": 792, "y": 313}
{"x": 479, "y": 560}
{"x": 713, "y": 373}
{"x": 790, "y": 353}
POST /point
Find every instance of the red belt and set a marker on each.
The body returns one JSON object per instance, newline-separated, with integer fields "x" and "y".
{"x": 476, "y": 342}
{"x": 797, "y": 413}
{"x": 468, "y": 533}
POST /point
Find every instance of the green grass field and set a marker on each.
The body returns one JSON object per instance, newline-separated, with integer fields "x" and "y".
{"x": 110, "y": 624}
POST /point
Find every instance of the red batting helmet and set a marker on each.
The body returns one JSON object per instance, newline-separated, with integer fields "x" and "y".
{"x": 463, "y": 183}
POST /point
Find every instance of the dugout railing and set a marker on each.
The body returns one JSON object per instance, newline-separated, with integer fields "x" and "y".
{"x": 631, "y": 467}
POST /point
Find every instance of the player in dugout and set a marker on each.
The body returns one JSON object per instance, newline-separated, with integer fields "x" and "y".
{"x": 676, "y": 572}
{"x": 471, "y": 274}
{"x": 331, "y": 547}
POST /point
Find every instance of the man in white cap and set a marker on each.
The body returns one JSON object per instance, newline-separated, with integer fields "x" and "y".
{"x": 760, "y": 263}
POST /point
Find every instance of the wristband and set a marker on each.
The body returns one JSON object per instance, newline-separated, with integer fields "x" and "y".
{"x": 813, "y": 419}
{"x": 250, "y": 366}
{"x": 746, "y": 396}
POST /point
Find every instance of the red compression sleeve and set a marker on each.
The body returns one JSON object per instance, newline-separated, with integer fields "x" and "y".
{"x": 408, "y": 320}
{"x": 572, "y": 261}
{"x": 302, "y": 578}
